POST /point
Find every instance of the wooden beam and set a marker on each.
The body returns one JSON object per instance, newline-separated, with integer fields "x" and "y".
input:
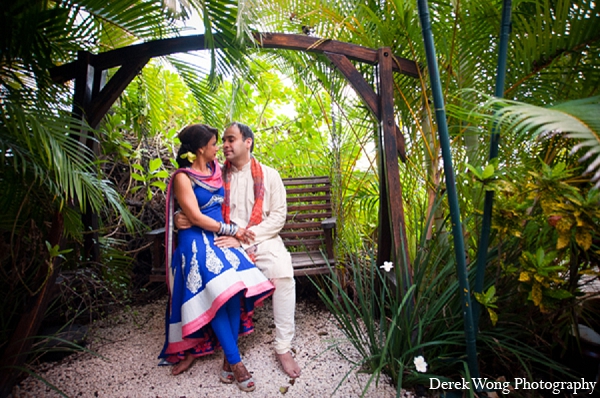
{"x": 366, "y": 92}
{"x": 123, "y": 55}
{"x": 102, "y": 102}
{"x": 391, "y": 197}
{"x": 158, "y": 48}
{"x": 317, "y": 45}
{"x": 384, "y": 231}
{"x": 358, "y": 82}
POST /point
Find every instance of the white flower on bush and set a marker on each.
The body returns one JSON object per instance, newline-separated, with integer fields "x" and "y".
{"x": 387, "y": 266}
{"x": 420, "y": 364}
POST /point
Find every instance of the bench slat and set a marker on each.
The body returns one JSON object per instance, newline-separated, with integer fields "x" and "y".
{"x": 311, "y": 271}
{"x": 314, "y": 234}
{"x": 296, "y": 191}
{"x": 320, "y": 198}
{"x": 307, "y": 216}
{"x": 309, "y": 207}
{"x": 302, "y": 225}
{"x": 304, "y": 259}
{"x": 305, "y": 180}
{"x": 311, "y": 263}
{"x": 301, "y": 243}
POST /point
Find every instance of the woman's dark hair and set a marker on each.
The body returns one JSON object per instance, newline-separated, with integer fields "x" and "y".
{"x": 246, "y": 132}
{"x": 194, "y": 137}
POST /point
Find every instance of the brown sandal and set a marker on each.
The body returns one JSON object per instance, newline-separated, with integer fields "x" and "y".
{"x": 243, "y": 379}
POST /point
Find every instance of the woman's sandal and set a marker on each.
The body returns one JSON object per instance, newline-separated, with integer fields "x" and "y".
{"x": 226, "y": 376}
{"x": 240, "y": 372}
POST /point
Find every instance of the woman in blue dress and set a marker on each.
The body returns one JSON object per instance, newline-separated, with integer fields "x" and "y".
{"x": 213, "y": 290}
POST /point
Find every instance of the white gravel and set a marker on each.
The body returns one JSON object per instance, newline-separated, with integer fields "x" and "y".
{"x": 128, "y": 343}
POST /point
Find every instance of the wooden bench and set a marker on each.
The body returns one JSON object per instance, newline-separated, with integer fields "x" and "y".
{"x": 308, "y": 233}
{"x": 310, "y": 227}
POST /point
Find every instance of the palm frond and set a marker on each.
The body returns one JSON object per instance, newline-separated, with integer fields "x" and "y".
{"x": 195, "y": 77}
{"x": 578, "y": 120}
{"x": 43, "y": 147}
{"x": 137, "y": 20}
{"x": 553, "y": 55}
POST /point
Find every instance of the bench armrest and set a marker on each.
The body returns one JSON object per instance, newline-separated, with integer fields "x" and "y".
{"x": 329, "y": 223}
{"x": 329, "y": 228}
{"x": 154, "y": 232}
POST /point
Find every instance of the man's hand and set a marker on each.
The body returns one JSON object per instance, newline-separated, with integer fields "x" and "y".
{"x": 181, "y": 221}
{"x": 245, "y": 235}
{"x": 227, "y": 241}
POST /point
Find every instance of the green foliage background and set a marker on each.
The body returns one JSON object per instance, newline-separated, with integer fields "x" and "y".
{"x": 308, "y": 122}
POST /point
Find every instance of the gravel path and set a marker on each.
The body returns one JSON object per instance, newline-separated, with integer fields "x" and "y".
{"x": 127, "y": 345}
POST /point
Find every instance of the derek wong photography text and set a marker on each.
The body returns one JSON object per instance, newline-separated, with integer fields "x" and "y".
{"x": 567, "y": 388}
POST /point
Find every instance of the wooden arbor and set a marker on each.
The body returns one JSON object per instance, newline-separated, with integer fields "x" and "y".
{"x": 93, "y": 97}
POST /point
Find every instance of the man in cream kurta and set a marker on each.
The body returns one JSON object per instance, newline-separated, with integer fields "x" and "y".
{"x": 270, "y": 254}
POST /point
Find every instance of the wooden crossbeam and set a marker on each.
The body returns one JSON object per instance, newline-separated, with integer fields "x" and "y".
{"x": 159, "y": 48}
{"x": 102, "y": 102}
{"x": 366, "y": 92}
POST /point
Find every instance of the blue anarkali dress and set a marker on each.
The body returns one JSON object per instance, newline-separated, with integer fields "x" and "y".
{"x": 202, "y": 277}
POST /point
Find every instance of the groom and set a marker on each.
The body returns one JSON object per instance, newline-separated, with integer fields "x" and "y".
{"x": 255, "y": 198}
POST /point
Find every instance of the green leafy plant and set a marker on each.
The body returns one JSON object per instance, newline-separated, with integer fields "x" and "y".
{"x": 488, "y": 300}
{"x": 484, "y": 174}
{"x": 391, "y": 322}
{"x": 542, "y": 276}
{"x": 152, "y": 177}
{"x": 575, "y": 217}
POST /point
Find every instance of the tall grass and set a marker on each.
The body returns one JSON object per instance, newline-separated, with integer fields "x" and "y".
{"x": 390, "y": 324}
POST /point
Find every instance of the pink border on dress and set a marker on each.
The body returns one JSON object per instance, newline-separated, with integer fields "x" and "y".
{"x": 204, "y": 319}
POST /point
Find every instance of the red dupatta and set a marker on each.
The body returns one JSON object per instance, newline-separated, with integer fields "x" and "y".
{"x": 259, "y": 192}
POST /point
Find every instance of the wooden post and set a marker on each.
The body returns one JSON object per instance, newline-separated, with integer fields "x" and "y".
{"x": 82, "y": 98}
{"x": 393, "y": 243}
{"x": 392, "y": 230}
{"x": 92, "y": 99}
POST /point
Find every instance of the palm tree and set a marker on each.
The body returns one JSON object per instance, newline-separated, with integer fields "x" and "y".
{"x": 48, "y": 177}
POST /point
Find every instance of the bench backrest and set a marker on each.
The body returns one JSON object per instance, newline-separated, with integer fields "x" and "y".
{"x": 309, "y": 208}
{"x": 308, "y": 231}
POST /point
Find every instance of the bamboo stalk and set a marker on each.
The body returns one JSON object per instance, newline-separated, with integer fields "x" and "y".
{"x": 486, "y": 224}
{"x": 459, "y": 251}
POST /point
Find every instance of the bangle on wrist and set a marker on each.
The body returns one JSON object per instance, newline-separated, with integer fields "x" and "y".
{"x": 228, "y": 229}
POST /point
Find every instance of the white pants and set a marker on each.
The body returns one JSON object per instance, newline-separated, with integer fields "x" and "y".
{"x": 284, "y": 307}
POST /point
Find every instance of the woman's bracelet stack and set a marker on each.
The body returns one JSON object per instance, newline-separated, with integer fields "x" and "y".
{"x": 228, "y": 229}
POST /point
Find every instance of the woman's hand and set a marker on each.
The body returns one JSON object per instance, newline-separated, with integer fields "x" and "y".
{"x": 226, "y": 242}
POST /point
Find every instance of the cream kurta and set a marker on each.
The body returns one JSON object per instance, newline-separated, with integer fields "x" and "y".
{"x": 272, "y": 258}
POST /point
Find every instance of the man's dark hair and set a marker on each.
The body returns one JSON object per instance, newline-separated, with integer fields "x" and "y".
{"x": 246, "y": 132}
